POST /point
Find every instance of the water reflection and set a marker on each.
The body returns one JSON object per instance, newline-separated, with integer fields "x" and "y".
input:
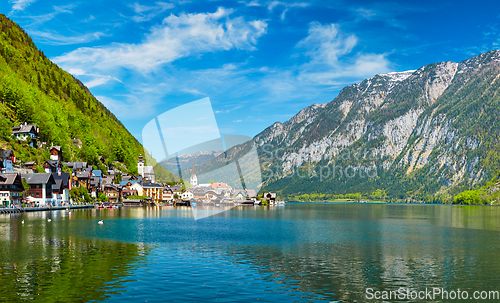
{"x": 293, "y": 253}
{"x": 41, "y": 260}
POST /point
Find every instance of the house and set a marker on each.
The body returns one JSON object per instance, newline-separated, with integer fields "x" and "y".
{"x": 83, "y": 177}
{"x": 76, "y": 166}
{"x": 219, "y": 186}
{"x": 187, "y": 195}
{"x": 112, "y": 192}
{"x": 270, "y": 197}
{"x": 108, "y": 180}
{"x": 61, "y": 188}
{"x": 40, "y": 187}
{"x": 210, "y": 194}
{"x": 177, "y": 189}
{"x": 241, "y": 195}
{"x": 56, "y": 153}
{"x": 7, "y": 160}
{"x": 26, "y": 132}
{"x": 94, "y": 187}
{"x": 138, "y": 187}
{"x": 128, "y": 184}
{"x": 30, "y": 165}
{"x": 251, "y": 194}
{"x": 11, "y": 188}
{"x": 168, "y": 194}
{"x": 154, "y": 191}
{"x": 52, "y": 166}
{"x": 127, "y": 177}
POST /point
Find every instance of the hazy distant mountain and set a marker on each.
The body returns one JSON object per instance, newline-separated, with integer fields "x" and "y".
{"x": 411, "y": 133}
{"x": 186, "y": 161}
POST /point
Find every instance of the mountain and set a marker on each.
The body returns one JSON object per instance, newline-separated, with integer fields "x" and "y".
{"x": 185, "y": 161}
{"x": 412, "y": 134}
{"x": 37, "y": 91}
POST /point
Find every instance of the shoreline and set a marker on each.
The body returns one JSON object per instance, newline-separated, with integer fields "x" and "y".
{"x": 33, "y": 209}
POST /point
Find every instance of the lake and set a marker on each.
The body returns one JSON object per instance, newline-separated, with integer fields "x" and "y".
{"x": 295, "y": 253}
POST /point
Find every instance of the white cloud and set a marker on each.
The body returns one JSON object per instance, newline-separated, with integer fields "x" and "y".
{"x": 177, "y": 37}
{"x": 332, "y": 56}
{"x": 251, "y": 3}
{"x": 20, "y": 5}
{"x": 57, "y": 39}
{"x": 146, "y": 13}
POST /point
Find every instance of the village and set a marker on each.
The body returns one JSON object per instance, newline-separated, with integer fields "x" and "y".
{"x": 21, "y": 187}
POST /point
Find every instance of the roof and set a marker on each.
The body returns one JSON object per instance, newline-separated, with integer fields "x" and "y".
{"x": 7, "y": 153}
{"x": 124, "y": 183}
{"x": 64, "y": 177}
{"x": 83, "y": 174}
{"x": 76, "y": 165}
{"x": 251, "y": 193}
{"x": 272, "y": 195}
{"x": 58, "y": 148}
{"x": 24, "y": 129}
{"x": 149, "y": 170}
{"x": 8, "y": 178}
{"x": 58, "y": 184}
{"x": 97, "y": 173}
{"x": 30, "y": 163}
{"x": 150, "y": 184}
{"x": 53, "y": 163}
{"x": 176, "y": 188}
{"x": 38, "y": 178}
{"x": 107, "y": 179}
{"x": 219, "y": 185}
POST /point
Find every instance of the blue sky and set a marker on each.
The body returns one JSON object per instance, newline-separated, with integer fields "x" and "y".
{"x": 258, "y": 61}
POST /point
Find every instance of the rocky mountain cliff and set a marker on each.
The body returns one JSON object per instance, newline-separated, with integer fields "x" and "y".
{"x": 411, "y": 133}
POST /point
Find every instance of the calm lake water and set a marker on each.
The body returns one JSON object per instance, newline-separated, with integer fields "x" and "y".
{"x": 296, "y": 253}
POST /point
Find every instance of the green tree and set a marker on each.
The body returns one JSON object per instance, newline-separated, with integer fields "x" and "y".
{"x": 102, "y": 198}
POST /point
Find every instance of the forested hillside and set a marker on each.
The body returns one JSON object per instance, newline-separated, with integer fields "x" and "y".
{"x": 37, "y": 91}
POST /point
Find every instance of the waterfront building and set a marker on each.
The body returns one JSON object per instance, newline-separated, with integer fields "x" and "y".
{"x": 187, "y": 195}
{"x": 61, "y": 188}
{"x": 138, "y": 187}
{"x": 168, "y": 195}
{"x": 40, "y": 187}
{"x": 112, "y": 192}
{"x": 153, "y": 191}
{"x": 11, "y": 188}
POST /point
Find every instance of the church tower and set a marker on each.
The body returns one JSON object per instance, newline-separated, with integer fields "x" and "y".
{"x": 194, "y": 179}
{"x": 140, "y": 165}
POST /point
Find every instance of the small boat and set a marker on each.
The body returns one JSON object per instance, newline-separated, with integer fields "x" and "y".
{"x": 100, "y": 222}
{"x": 279, "y": 203}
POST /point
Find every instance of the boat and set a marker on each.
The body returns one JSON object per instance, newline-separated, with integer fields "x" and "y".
{"x": 279, "y": 203}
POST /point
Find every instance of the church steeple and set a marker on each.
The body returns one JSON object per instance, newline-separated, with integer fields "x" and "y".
{"x": 194, "y": 179}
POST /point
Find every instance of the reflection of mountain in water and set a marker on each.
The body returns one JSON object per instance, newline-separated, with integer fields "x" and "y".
{"x": 338, "y": 255}
{"x": 186, "y": 160}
